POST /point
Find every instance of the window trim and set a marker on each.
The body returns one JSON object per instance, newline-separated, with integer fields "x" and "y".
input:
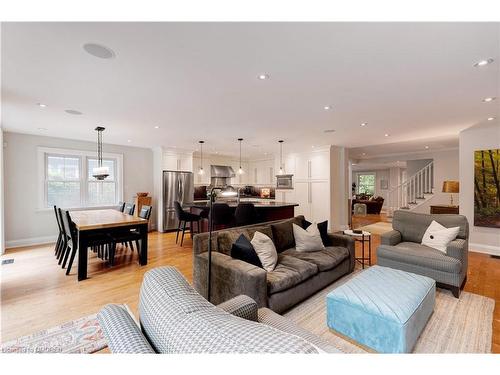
{"x": 83, "y": 156}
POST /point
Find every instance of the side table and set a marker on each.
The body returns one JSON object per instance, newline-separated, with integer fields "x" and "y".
{"x": 362, "y": 237}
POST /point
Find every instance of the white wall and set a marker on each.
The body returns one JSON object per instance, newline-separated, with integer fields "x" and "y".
{"x": 2, "y": 222}
{"x": 477, "y": 138}
{"x": 27, "y": 223}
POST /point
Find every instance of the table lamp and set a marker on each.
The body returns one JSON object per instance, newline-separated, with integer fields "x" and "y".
{"x": 451, "y": 187}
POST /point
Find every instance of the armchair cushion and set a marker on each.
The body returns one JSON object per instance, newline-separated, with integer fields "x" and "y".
{"x": 420, "y": 255}
{"x": 241, "y": 306}
{"x": 457, "y": 249}
{"x": 391, "y": 238}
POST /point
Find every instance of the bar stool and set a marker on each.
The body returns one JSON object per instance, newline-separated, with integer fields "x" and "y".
{"x": 184, "y": 218}
{"x": 222, "y": 216}
{"x": 245, "y": 214}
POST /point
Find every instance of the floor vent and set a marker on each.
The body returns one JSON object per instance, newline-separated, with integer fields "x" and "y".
{"x": 7, "y": 261}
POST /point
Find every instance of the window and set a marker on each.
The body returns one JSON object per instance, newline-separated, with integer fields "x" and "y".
{"x": 66, "y": 177}
{"x": 366, "y": 183}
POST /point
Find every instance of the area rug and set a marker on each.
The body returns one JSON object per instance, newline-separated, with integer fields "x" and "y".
{"x": 81, "y": 336}
{"x": 380, "y": 227}
{"x": 462, "y": 325}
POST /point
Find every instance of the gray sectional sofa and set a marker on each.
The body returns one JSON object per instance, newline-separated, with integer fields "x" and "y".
{"x": 297, "y": 275}
{"x": 401, "y": 249}
{"x": 174, "y": 318}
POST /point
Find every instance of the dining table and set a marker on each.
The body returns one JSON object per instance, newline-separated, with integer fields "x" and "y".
{"x": 90, "y": 223}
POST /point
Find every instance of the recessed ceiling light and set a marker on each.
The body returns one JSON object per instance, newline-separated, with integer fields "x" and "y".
{"x": 386, "y": 135}
{"x": 363, "y": 124}
{"x": 329, "y": 131}
{"x": 426, "y": 147}
{"x": 72, "y": 111}
{"x": 354, "y": 164}
{"x": 129, "y": 140}
{"x": 483, "y": 63}
{"x": 41, "y": 105}
{"x": 489, "y": 99}
{"x": 364, "y": 153}
{"x": 43, "y": 129}
{"x": 263, "y": 76}
{"x": 491, "y": 118}
{"x": 157, "y": 127}
{"x": 99, "y": 51}
{"x": 327, "y": 107}
{"x": 312, "y": 146}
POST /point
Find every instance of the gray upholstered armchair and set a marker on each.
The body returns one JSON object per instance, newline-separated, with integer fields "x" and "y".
{"x": 401, "y": 248}
{"x": 174, "y": 318}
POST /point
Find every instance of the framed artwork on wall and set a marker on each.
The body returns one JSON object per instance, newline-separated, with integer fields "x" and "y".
{"x": 487, "y": 188}
{"x": 384, "y": 184}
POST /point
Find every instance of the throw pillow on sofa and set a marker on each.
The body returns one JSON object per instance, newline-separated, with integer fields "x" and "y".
{"x": 266, "y": 251}
{"x": 243, "y": 250}
{"x": 307, "y": 240}
{"x": 438, "y": 237}
{"x": 323, "y": 231}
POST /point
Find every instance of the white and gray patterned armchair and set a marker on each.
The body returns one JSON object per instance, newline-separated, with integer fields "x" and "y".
{"x": 401, "y": 248}
{"x": 174, "y": 318}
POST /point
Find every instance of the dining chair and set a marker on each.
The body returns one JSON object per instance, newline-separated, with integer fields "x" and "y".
{"x": 129, "y": 208}
{"x": 121, "y": 206}
{"x": 245, "y": 214}
{"x": 71, "y": 243}
{"x": 185, "y": 217}
{"x": 66, "y": 239}
{"x": 59, "y": 242}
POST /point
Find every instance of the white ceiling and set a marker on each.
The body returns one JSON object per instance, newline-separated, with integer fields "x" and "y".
{"x": 414, "y": 81}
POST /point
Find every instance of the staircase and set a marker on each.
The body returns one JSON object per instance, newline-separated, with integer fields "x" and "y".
{"x": 413, "y": 192}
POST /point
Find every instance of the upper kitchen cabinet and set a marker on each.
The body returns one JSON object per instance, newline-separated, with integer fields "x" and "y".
{"x": 261, "y": 172}
{"x": 177, "y": 161}
{"x": 312, "y": 165}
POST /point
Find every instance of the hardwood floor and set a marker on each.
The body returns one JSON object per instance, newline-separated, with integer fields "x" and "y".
{"x": 36, "y": 294}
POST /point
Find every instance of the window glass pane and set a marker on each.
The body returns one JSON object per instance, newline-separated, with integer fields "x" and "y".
{"x": 92, "y": 163}
{"x": 71, "y": 168}
{"x": 101, "y": 193}
{"x": 64, "y": 194}
{"x": 366, "y": 184}
{"x": 63, "y": 168}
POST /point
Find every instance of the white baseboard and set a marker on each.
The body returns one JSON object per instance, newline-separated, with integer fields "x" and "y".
{"x": 485, "y": 249}
{"x": 30, "y": 241}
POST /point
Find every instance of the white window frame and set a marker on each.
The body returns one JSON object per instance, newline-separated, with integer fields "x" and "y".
{"x": 44, "y": 152}
{"x": 374, "y": 174}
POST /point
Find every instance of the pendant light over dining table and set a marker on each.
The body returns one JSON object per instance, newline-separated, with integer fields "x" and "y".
{"x": 100, "y": 172}
{"x": 240, "y": 170}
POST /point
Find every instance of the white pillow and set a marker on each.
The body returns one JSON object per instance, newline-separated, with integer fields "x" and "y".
{"x": 266, "y": 251}
{"x": 438, "y": 237}
{"x": 307, "y": 239}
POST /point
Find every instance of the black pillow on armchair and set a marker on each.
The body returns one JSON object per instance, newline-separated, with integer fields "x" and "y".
{"x": 323, "y": 231}
{"x": 243, "y": 250}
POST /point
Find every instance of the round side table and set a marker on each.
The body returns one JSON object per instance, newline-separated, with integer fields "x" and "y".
{"x": 362, "y": 237}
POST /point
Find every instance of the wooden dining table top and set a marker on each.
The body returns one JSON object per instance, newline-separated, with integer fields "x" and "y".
{"x": 100, "y": 219}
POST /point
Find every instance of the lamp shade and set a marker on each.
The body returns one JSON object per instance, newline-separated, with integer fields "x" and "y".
{"x": 451, "y": 187}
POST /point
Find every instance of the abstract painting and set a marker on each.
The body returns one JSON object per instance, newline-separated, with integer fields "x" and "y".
{"x": 487, "y": 188}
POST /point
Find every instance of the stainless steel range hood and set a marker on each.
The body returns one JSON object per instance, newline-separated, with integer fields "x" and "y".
{"x": 220, "y": 176}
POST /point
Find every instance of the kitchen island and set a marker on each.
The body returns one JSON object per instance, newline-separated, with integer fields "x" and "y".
{"x": 267, "y": 210}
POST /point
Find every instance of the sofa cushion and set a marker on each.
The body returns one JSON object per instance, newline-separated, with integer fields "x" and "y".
{"x": 283, "y": 233}
{"x": 289, "y": 272}
{"x": 323, "y": 231}
{"x": 419, "y": 255}
{"x": 226, "y": 238}
{"x": 325, "y": 259}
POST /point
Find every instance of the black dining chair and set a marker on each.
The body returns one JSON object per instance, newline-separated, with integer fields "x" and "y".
{"x": 121, "y": 206}
{"x": 129, "y": 208}
{"x": 59, "y": 243}
{"x": 184, "y": 218}
{"x": 221, "y": 215}
{"x": 129, "y": 236}
{"x": 245, "y": 214}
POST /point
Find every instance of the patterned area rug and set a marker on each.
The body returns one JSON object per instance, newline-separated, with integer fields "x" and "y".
{"x": 462, "y": 325}
{"x": 81, "y": 336}
{"x": 378, "y": 228}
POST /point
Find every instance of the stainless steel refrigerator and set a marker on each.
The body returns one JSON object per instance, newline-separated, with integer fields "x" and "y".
{"x": 177, "y": 186}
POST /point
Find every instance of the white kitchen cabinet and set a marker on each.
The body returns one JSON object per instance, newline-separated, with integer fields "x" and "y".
{"x": 319, "y": 200}
{"x": 301, "y": 190}
{"x": 319, "y": 165}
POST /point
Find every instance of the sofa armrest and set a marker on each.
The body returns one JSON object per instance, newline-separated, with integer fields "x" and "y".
{"x": 241, "y": 306}
{"x": 270, "y": 318}
{"x": 391, "y": 238}
{"x": 344, "y": 241}
{"x": 121, "y": 331}
{"x": 230, "y": 278}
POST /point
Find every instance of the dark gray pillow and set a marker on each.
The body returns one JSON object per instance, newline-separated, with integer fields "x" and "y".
{"x": 283, "y": 233}
{"x": 243, "y": 250}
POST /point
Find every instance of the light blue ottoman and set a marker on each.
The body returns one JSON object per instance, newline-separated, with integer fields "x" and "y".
{"x": 382, "y": 308}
